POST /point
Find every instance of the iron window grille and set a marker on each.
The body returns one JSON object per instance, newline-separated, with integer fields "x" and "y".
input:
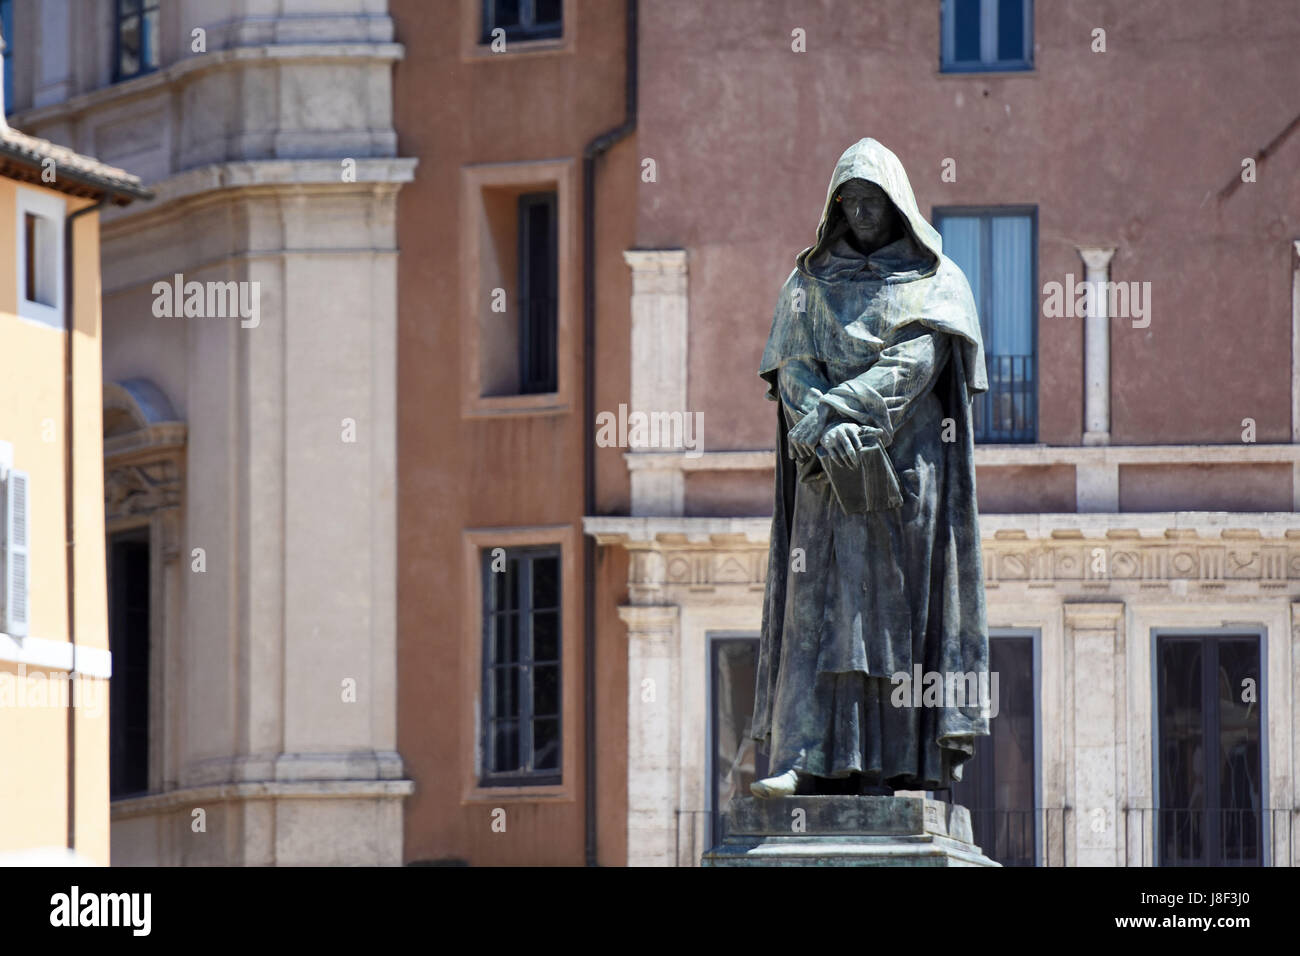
{"x": 523, "y": 19}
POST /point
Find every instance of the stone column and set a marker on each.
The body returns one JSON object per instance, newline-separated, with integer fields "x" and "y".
{"x": 653, "y": 739}
{"x": 1095, "y": 732}
{"x": 1295, "y": 372}
{"x": 659, "y": 314}
{"x": 1288, "y": 831}
{"x": 1096, "y": 347}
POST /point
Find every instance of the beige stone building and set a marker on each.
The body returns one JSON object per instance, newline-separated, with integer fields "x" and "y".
{"x": 249, "y": 407}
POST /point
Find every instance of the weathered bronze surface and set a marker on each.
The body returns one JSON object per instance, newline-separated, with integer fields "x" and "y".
{"x": 874, "y": 356}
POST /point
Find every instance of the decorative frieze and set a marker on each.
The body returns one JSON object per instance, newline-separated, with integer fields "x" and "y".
{"x": 671, "y": 558}
{"x": 141, "y": 489}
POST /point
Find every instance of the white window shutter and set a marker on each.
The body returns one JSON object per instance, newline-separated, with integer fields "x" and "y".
{"x": 4, "y": 539}
{"x": 17, "y": 512}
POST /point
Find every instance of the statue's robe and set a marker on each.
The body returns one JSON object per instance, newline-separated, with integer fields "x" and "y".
{"x": 890, "y": 342}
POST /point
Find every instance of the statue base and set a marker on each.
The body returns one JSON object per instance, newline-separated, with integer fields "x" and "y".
{"x": 846, "y": 831}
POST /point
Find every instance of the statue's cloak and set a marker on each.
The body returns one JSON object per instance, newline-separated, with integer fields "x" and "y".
{"x": 837, "y": 300}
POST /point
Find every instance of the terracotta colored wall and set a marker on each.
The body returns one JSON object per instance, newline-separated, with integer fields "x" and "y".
{"x": 524, "y": 470}
{"x": 1125, "y": 148}
{"x": 1025, "y": 490}
{"x": 1205, "y": 487}
{"x": 729, "y": 493}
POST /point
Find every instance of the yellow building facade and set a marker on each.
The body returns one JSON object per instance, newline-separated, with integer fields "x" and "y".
{"x": 55, "y": 663}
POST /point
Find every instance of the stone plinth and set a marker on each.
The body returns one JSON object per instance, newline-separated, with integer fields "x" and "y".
{"x": 846, "y": 831}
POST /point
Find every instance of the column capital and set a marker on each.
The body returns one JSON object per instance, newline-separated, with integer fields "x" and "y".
{"x": 657, "y": 270}
{"x": 649, "y": 618}
{"x": 1093, "y": 615}
{"x": 1096, "y": 257}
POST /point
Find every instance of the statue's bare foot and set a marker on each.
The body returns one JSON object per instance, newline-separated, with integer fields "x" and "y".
{"x": 782, "y": 785}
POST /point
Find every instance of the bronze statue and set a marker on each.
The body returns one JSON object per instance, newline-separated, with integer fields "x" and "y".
{"x": 874, "y": 569}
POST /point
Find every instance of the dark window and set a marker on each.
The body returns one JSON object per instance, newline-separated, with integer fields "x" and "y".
{"x": 983, "y": 35}
{"x": 997, "y": 784}
{"x": 997, "y": 250}
{"x": 128, "y": 636}
{"x": 1210, "y": 811}
{"x": 33, "y": 250}
{"x": 521, "y": 667}
{"x": 137, "y": 37}
{"x": 734, "y": 761}
{"x": 538, "y": 281}
{"x": 523, "y": 19}
{"x": 7, "y": 30}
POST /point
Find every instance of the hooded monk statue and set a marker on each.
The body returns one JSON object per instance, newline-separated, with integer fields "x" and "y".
{"x": 874, "y": 576}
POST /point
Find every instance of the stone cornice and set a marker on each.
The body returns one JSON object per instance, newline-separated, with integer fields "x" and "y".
{"x": 161, "y": 439}
{"x": 384, "y": 173}
{"x": 263, "y": 790}
{"x": 1007, "y": 455}
{"x": 70, "y": 110}
{"x": 650, "y": 531}
{"x": 630, "y": 531}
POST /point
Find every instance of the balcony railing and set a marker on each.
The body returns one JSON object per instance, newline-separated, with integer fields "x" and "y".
{"x": 1008, "y": 411}
{"x": 1028, "y": 837}
{"x": 1170, "y": 836}
{"x": 692, "y": 836}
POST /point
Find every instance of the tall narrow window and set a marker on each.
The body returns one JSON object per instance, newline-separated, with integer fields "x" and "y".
{"x": 523, "y": 19}
{"x": 40, "y": 223}
{"x": 1210, "y": 811}
{"x": 521, "y": 667}
{"x": 128, "y": 638}
{"x": 39, "y": 274}
{"x": 983, "y": 35}
{"x": 31, "y": 222}
{"x": 7, "y": 30}
{"x": 997, "y": 250}
{"x": 997, "y": 784}
{"x": 137, "y": 37}
{"x": 735, "y": 761}
{"x": 538, "y": 269}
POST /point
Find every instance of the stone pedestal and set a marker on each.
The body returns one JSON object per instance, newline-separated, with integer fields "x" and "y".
{"x": 846, "y": 831}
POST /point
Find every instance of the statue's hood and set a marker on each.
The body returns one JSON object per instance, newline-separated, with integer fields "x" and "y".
{"x": 915, "y": 256}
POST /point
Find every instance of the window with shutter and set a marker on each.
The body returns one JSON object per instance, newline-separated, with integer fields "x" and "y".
{"x": 16, "y": 553}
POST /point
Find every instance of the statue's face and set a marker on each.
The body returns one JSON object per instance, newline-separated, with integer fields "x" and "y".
{"x": 869, "y": 212}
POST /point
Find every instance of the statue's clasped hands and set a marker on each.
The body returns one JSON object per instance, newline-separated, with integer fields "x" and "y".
{"x": 842, "y": 440}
